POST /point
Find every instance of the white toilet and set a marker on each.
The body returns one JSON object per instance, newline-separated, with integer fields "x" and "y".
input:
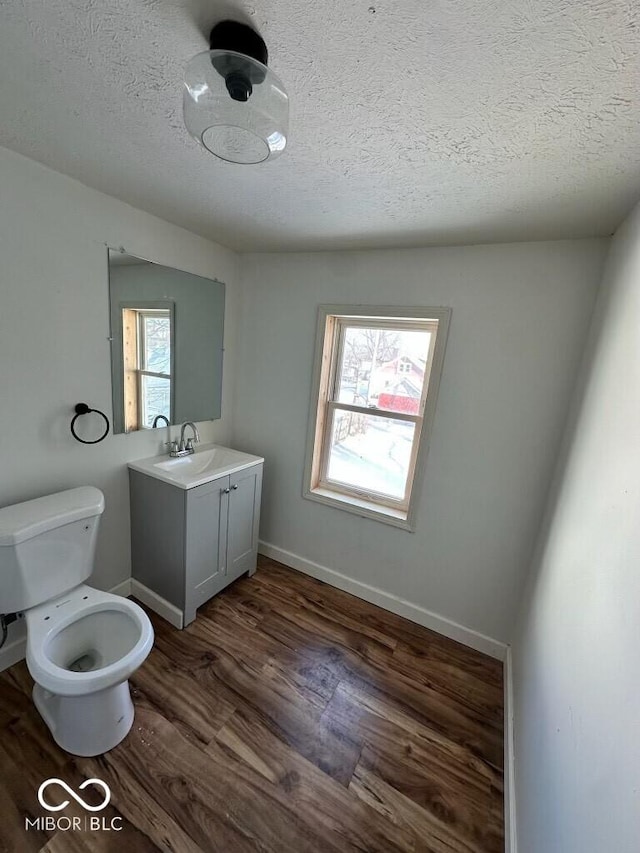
{"x": 82, "y": 644}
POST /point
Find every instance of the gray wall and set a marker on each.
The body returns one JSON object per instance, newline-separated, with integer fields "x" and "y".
{"x": 54, "y": 325}
{"x": 576, "y": 663}
{"x": 520, "y": 316}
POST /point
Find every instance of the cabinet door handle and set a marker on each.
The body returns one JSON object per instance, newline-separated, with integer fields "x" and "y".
{"x": 235, "y": 486}
{"x": 225, "y": 491}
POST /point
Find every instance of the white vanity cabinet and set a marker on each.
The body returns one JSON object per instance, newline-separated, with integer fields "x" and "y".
{"x": 189, "y": 542}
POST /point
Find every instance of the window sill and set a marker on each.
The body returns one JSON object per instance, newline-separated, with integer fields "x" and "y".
{"x": 361, "y": 507}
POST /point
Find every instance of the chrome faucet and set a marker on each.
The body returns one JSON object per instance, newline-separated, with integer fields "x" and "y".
{"x": 182, "y": 447}
{"x": 188, "y": 447}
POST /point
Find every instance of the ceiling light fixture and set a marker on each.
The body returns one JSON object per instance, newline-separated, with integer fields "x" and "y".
{"x": 234, "y": 105}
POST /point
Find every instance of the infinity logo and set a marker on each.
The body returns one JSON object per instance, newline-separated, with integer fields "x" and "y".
{"x": 72, "y": 793}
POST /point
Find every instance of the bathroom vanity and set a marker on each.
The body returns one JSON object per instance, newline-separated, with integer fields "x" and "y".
{"x": 194, "y": 527}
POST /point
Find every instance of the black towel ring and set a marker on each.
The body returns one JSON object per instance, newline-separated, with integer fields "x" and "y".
{"x": 83, "y": 409}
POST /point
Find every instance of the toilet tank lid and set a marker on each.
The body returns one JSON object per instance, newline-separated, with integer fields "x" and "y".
{"x": 23, "y": 521}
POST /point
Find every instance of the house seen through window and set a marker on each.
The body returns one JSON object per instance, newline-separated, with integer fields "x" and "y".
{"x": 374, "y": 381}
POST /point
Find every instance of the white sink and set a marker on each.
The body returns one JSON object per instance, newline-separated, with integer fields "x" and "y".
{"x": 207, "y": 463}
{"x": 196, "y": 463}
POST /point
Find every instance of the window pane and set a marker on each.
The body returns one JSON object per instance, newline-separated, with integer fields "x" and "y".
{"x": 155, "y": 393}
{"x": 383, "y": 368}
{"x": 157, "y": 343}
{"x": 370, "y": 453}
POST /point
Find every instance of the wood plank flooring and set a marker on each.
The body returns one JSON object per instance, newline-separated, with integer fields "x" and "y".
{"x": 290, "y": 717}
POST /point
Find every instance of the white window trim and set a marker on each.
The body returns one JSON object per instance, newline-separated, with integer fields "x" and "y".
{"x": 404, "y": 515}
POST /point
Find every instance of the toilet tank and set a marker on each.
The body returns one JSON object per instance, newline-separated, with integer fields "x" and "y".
{"x": 47, "y": 546}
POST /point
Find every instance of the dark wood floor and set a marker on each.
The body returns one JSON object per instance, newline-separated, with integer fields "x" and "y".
{"x": 289, "y": 717}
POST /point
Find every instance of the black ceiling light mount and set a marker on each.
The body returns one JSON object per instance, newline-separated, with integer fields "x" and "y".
{"x": 234, "y": 105}
{"x": 239, "y": 74}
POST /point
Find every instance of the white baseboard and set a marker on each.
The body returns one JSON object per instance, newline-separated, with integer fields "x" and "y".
{"x": 414, "y": 612}
{"x": 16, "y": 649}
{"x": 510, "y": 834}
{"x": 159, "y": 605}
{"x": 123, "y": 589}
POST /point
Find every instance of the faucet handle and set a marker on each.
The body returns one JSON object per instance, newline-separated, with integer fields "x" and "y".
{"x": 172, "y": 445}
{"x": 190, "y": 443}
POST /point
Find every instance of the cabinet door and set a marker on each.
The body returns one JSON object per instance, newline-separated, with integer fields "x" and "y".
{"x": 242, "y": 527}
{"x": 206, "y": 539}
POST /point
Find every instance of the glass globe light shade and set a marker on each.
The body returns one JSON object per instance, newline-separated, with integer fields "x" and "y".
{"x": 235, "y": 107}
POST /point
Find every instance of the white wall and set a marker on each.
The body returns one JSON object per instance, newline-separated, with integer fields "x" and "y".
{"x": 54, "y": 352}
{"x": 520, "y": 315}
{"x": 576, "y": 654}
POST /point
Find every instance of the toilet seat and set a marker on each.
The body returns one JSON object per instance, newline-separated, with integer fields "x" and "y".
{"x": 107, "y": 633}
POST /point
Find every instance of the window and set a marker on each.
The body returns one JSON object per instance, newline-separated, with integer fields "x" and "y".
{"x": 376, "y": 376}
{"x": 147, "y": 351}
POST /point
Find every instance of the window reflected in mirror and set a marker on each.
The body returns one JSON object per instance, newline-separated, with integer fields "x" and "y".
{"x": 166, "y": 333}
{"x": 146, "y": 350}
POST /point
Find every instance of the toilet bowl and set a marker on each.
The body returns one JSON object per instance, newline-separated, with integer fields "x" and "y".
{"x": 81, "y": 649}
{"x": 82, "y": 644}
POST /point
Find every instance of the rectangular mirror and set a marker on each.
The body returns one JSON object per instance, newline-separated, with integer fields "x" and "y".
{"x": 166, "y": 344}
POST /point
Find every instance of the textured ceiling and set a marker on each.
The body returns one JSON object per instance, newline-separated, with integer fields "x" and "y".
{"x": 412, "y": 122}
